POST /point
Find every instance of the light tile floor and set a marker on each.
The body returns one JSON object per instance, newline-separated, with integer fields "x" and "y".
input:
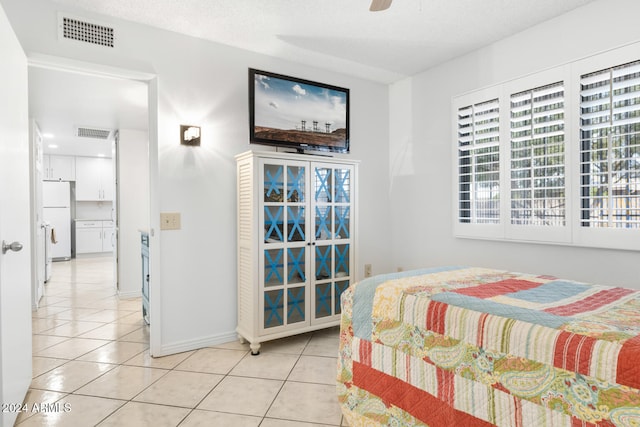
{"x": 91, "y": 366}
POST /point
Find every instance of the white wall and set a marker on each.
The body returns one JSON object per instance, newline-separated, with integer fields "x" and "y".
{"x": 422, "y": 188}
{"x": 206, "y": 84}
{"x": 133, "y": 210}
{"x": 93, "y": 210}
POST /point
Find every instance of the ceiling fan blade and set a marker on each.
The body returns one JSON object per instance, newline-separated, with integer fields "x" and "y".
{"x": 378, "y": 5}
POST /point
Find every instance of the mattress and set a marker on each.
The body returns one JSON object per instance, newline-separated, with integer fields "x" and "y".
{"x": 461, "y": 346}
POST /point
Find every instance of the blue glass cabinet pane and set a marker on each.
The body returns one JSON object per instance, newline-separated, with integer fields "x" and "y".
{"x": 296, "y": 224}
{"x": 295, "y": 305}
{"x": 323, "y": 300}
{"x": 296, "y": 265}
{"x": 323, "y": 223}
{"x": 273, "y": 308}
{"x": 342, "y": 260}
{"x": 295, "y": 184}
{"x": 342, "y": 222}
{"x": 322, "y": 185}
{"x": 273, "y": 224}
{"x": 323, "y": 262}
{"x": 273, "y": 267}
{"x": 343, "y": 186}
{"x": 273, "y": 183}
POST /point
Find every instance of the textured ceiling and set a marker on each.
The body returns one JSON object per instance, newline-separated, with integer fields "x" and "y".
{"x": 339, "y": 35}
{"x": 61, "y": 101}
{"x": 342, "y": 35}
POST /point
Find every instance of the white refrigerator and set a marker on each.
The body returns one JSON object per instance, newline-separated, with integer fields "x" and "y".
{"x": 56, "y": 204}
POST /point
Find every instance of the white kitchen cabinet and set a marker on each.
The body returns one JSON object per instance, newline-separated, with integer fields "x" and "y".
{"x": 59, "y": 168}
{"x": 88, "y": 239}
{"x": 94, "y": 179}
{"x": 94, "y": 236}
{"x": 296, "y": 242}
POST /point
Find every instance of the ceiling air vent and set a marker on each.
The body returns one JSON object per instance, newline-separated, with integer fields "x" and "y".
{"x": 85, "y": 132}
{"x": 81, "y": 30}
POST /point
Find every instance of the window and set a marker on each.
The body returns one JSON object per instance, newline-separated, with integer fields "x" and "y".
{"x": 553, "y": 157}
{"x": 610, "y": 147}
{"x": 479, "y": 163}
{"x": 537, "y": 157}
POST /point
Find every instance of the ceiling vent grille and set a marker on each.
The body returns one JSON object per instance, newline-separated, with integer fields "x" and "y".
{"x": 86, "y": 32}
{"x": 85, "y": 132}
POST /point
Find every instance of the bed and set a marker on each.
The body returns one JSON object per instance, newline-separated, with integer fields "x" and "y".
{"x": 460, "y": 346}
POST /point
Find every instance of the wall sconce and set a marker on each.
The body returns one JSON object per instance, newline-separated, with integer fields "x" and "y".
{"x": 190, "y": 135}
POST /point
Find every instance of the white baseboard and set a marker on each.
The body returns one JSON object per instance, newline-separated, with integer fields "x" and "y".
{"x": 196, "y": 344}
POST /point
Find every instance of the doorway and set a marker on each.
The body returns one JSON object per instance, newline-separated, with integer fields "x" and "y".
{"x": 98, "y": 125}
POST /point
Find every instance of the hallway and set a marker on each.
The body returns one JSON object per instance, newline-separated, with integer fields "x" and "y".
{"x": 91, "y": 366}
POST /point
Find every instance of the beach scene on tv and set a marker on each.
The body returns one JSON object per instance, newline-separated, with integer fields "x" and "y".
{"x": 290, "y": 111}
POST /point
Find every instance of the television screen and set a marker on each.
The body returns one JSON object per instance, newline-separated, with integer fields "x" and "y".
{"x": 296, "y": 113}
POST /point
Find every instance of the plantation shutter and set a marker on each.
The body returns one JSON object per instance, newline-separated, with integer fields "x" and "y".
{"x": 479, "y": 163}
{"x": 610, "y": 147}
{"x": 537, "y": 165}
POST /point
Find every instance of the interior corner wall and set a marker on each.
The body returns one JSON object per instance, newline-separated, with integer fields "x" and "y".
{"x": 423, "y": 229}
{"x": 133, "y": 208}
{"x": 206, "y": 84}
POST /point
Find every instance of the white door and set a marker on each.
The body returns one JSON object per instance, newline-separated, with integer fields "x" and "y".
{"x": 15, "y": 267}
{"x": 114, "y": 225}
{"x": 37, "y": 226}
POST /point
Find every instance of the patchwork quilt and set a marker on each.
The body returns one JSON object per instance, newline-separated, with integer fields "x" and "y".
{"x": 461, "y": 346}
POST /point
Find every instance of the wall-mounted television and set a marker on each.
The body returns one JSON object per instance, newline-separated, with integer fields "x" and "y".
{"x": 299, "y": 114}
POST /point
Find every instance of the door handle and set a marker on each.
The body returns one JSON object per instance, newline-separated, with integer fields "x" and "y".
{"x": 15, "y": 247}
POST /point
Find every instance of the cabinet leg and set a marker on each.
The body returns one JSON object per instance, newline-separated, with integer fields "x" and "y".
{"x": 241, "y": 339}
{"x": 255, "y": 348}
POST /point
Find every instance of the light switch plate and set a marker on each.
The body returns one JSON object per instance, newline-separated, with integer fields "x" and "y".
{"x": 169, "y": 221}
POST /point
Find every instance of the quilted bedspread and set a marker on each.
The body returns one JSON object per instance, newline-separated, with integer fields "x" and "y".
{"x": 462, "y": 346}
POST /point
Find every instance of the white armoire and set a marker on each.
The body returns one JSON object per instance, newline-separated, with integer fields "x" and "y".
{"x": 296, "y": 242}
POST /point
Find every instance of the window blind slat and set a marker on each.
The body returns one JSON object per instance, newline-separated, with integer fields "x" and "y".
{"x": 626, "y": 98}
{"x": 590, "y": 79}
{"x": 595, "y": 115}
{"x": 548, "y": 90}
{"x": 521, "y": 109}
{"x": 547, "y": 102}
{"x": 589, "y": 92}
{"x": 595, "y": 103}
{"x": 626, "y": 69}
{"x": 594, "y": 127}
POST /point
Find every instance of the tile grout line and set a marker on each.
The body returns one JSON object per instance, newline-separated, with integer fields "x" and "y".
{"x": 214, "y": 387}
{"x": 284, "y": 381}
{"x": 99, "y": 305}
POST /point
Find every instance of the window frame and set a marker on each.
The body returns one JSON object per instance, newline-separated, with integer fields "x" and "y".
{"x": 474, "y": 230}
{"x": 572, "y": 233}
{"x": 611, "y": 238}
